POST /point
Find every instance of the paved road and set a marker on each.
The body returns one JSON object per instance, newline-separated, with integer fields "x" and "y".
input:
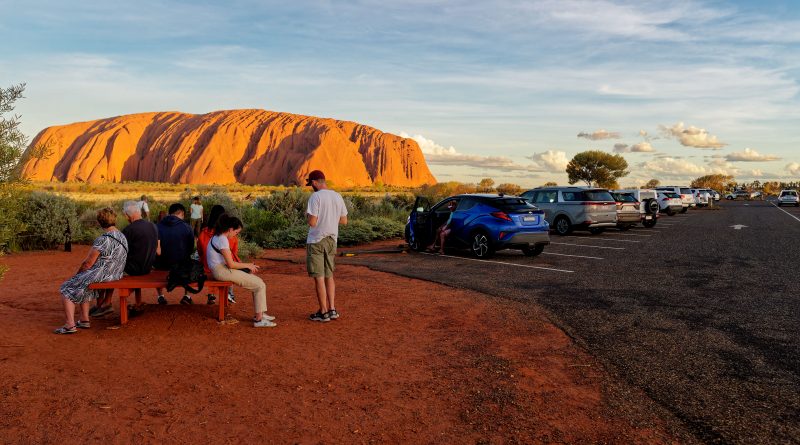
{"x": 702, "y": 317}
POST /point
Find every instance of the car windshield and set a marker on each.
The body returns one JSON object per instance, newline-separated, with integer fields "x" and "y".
{"x": 588, "y": 195}
{"x": 624, "y": 197}
{"x": 512, "y": 204}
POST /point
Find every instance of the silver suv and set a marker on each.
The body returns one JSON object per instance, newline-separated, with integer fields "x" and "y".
{"x": 648, "y": 204}
{"x": 570, "y": 208}
{"x": 789, "y": 197}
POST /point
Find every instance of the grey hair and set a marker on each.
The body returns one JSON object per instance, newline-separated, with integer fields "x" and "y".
{"x": 132, "y": 208}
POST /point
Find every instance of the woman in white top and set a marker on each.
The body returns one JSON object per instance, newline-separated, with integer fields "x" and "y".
{"x": 224, "y": 268}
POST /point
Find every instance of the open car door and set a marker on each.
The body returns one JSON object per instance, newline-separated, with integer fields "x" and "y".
{"x": 421, "y": 223}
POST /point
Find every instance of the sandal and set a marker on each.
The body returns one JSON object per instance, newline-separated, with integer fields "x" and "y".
{"x": 83, "y": 324}
{"x": 65, "y": 330}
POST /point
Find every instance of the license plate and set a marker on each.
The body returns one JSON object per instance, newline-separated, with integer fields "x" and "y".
{"x": 529, "y": 218}
{"x": 648, "y": 217}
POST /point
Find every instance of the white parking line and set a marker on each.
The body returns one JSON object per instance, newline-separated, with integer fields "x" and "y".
{"x": 501, "y": 262}
{"x": 600, "y": 238}
{"x": 625, "y": 234}
{"x": 784, "y": 211}
{"x": 576, "y": 256}
{"x": 588, "y": 245}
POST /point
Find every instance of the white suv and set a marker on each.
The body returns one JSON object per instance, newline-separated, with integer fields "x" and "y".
{"x": 685, "y": 193}
{"x": 789, "y": 197}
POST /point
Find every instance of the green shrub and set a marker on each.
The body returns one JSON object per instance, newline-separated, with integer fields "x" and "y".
{"x": 290, "y": 203}
{"x": 356, "y": 232}
{"x": 248, "y": 251}
{"x": 11, "y": 205}
{"x": 259, "y": 224}
{"x": 47, "y": 217}
{"x": 292, "y": 236}
{"x": 385, "y": 228}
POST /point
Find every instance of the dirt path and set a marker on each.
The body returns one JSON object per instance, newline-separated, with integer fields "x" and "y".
{"x": 408, "y": 362}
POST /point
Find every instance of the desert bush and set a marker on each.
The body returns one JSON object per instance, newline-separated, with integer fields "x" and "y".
{"x": 47, "y": 217}
{"x": 290, "y": 203}
{"x": 384, "y": 228}
{"x": 11, "y": 224}
{"x": 249, "y": 250}
{"x": 292, "y": 236}
{"x": 259, "y": 224}
{"x": 356, "y": 232}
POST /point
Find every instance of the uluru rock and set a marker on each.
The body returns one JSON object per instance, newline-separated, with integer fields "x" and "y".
{"x": 225, "y": 147}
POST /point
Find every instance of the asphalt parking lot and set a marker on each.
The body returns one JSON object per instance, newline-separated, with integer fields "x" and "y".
{"x": 699, "y": 314}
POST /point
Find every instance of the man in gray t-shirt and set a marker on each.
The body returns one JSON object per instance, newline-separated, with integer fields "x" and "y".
{"x": 326, "y": 210}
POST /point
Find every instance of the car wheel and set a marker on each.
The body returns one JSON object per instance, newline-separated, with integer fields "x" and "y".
{"x": 533, "y": 251}
{"x": 797, "y": 205}
{"x": 669, "y": 211}
{"x": 562, "y": 225}
{"x": 413, "y": 244}
{"x": 596, "y": 230}
{"x": 625, "y": 227}
{"x": 685, "y": 209}
{"x": 482, "y": 245}
{"x": 649, "y": 223}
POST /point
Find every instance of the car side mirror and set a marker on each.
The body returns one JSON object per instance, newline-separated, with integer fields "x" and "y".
{"x": 420, "y": 209}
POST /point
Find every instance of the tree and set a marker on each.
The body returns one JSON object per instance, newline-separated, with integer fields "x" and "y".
{"x": 717, "y": 182}
{"x": 651, "y": 184}
{"x": 596, "y": 167}
{"x": 486, "y": 185}
{"x": 509, "y": 189}
{"x": 772, "y": 188}
{"x": 550, "y": 184}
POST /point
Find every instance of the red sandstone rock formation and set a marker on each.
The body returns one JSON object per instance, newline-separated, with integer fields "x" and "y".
{"x": 224, "y": 147}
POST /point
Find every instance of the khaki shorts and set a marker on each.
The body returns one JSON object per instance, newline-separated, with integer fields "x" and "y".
{"x": 319, "y": 258}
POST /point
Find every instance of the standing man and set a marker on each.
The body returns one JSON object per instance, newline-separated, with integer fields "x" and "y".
{"x": 196, "y": 216}
{"x": 177, "y": 244}
{"x": 326, "y": 210}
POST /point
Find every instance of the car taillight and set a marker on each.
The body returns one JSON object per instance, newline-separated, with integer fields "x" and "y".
{"x": 501, "y": 215}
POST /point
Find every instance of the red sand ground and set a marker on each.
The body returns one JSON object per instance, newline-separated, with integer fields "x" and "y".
{"x": 408, "y": 362}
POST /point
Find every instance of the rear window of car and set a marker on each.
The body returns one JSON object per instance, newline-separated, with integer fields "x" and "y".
{"x": 588, "y": 195}
{"x": 624, "y": 197}
{"x": 685, "y": 191}
{"x": 789, "y": 193}
{"x": 511, "y": 204}
{"x": 671, "y": 195}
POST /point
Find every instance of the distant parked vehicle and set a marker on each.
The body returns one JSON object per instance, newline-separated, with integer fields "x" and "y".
{"x": 789, "y": 197}
{"x": 670, "y": 203}
{"x": 575, "y": 208}
{"x": 627, "y": 210}
{"x": 483, "y": 223}
{"x": 702, "y": 197}
{"x": 684, "y": 193}
{"x": 648, "y": 204}
{"x": 715, "y": 194}
{"x": 741, "y": 194}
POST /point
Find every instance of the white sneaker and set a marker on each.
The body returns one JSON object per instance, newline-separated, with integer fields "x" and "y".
{"x": 266, "y": 316}
{"x": 264, "y": 323}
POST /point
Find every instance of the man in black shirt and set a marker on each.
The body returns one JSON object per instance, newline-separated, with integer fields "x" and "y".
{"x": 177, "y": 244}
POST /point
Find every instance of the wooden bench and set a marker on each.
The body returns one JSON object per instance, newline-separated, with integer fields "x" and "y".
{"x": 156, "y": 279}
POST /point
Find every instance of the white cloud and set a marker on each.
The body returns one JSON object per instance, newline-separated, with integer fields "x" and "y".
{"x": 692, "y": 136}
{"x": 551, "y": 160}
{"x": 641, "y": 147}
{"x": 436, "y": 154}
{"x": 793, "y": 168}
{"x": 749, "y": 155}
{"x": 683, "y": 168}
{"x": 599, "y": 134}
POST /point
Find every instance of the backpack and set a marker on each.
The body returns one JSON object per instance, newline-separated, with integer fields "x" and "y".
{"x": 184, "y": 273}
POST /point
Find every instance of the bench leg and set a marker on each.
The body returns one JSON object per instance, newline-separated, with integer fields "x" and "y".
{"x": 123, "y": 305}
{"x": 222, "y": 298}
{"x": 138, "y": 296}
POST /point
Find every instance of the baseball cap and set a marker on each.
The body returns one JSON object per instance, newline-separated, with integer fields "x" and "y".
{"x": 314, "y": 176}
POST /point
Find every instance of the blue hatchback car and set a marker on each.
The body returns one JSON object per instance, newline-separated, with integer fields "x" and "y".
{"x": 483, "y": 223}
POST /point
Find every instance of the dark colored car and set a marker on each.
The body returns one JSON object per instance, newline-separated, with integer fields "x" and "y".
{"x": 483, "y": 223}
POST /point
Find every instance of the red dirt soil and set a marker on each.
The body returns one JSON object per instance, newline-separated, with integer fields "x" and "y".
{"x": 408, "y": 362}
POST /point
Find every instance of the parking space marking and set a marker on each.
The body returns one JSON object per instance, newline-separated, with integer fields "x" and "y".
{"x": 576, "y": 256}
{"x": 501, "y": 262}
{"x": 600, "y": 238}
{"x": 784, "y": 211}
{"x": 589, "y": 245}
{"x": 625, "y": 234}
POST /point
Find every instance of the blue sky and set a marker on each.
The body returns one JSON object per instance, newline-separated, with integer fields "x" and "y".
{"x": 503, "y": 89}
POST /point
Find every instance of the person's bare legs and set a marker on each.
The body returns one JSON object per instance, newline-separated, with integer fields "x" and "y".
{"x": 85, "y": 311}
{"x": 330, "y": 290}
{"x": 442, "y": 236}
{"x": 322, "y": 295}
{"x": 69, "y": 312}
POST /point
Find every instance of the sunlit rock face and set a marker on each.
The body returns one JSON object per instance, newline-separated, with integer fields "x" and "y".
{"x": 225, "y": 147}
